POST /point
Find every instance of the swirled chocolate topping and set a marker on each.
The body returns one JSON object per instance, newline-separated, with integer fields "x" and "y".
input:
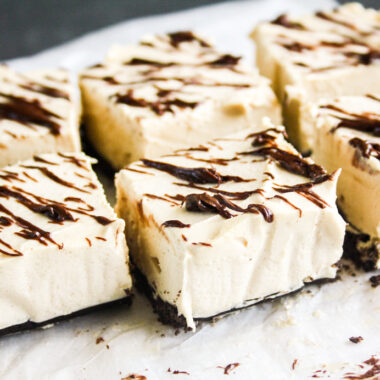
{"x": 55, "y": 212}
{"x": 364, "y": 122}
{"x": 305, "y": 189}
{"x": 327, "y": 17}
{"x": 46, "y": 90}
{"x": 175, "y": 224}
{"x": 284, "y": 21}
{"x": 218, "y": 204}
{"x": 159, "y": 107}
{"x": 193, "y": 175}
{"x": 289, "y": 161}
{"x": 28, "y": 112}
{"x": 366, "y": 148}
{"x": 54, "y": 177}
{"x": 185, "y": 36}
{"x": 225, "y": 60}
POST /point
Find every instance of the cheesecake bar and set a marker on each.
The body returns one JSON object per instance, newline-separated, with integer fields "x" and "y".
{"x": 347, "y": 136}
{"x": 326, "y": 54}
{"x": 168, "y": 92}
{"x": 39, "y": 113}
{"x": 229, "y": 223}
{"x": 62, "y": 248}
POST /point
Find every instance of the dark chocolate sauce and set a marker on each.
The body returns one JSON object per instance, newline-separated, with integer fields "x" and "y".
{"x": 143, "y": 61}
{"x": 237, "y": 195}
{"x": 186, "y": 36}
{"x": 289, "y": 161}
{"x": 364, "y": 58}
{"x": 193, "y": 175}
{"x": 305, "y": 189}
{"x": 366, "y": 148}
{"x": 46, "y": 90}
{"x": 29, "y": 230}
{"x": 28, "y": 112}
{"x": 175, "y": 224}
{"x": 159, "y": 107}
{"x": 54, "y": 178}
{"x": 152, "y": 196}
{"x": 15, "y": 252}
{"x": 40, "y": 159}
{"x": 359, "y": 122}
{"x": 327, "y": 17}
{"x": 225, "y": 60}
{"x": 55, "y": 212}
{"x": 288, "y": 202}
{"x": 284, "y": 21}
{"x": 74, "y": 160}
{"x": 204, "y": 202}
{"x": 297, "y": 47}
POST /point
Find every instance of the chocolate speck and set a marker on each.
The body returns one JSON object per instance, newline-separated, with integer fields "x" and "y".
{"x": 356, "y": 339}
{"x": 375, "y": 281}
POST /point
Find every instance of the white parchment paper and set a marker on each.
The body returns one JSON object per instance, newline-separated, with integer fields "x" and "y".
{"x": 297, "y": 337}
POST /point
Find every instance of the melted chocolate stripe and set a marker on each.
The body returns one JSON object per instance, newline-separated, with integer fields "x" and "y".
{"x": 289, "y": 161}
{"x": 159, "y": 107}
{"x": 193, "y": 175}
{"x": 238, "y": 195}
{"x": 284, "y": 21}
{"x": 175, "y": 224}
{"x": 28, "y": 112}
{"x": 54, "y": 178}
{"x": 54, "y": 212}
{"x": 366, "y": 148}
{"x": 45, "y": 90}
{"x": 305, "y": 190}
{"x": 29, "y": 230}
{"x": 360, "y": 122}
{"x": 185, "y": 36}
{"x": 218, "y": 204}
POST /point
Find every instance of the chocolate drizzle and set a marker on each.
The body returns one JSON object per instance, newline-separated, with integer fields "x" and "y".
{"x": 46, "y": 90}
{"x": 284, "y": 21}
{"x": 225, "y": 60}
{"x": 55, "y": 212}
{"x": 305, "y": 189}
{"x": 175, "y": 223}
{"x": 218, "y": 204}
{"x": 28, "y": 112}
{"x": 291, "y": 162}
{"x": 193, "y": 175}
{"x": 359, "y": 122}
{"x": 185, "y": 36}
{"x": 159, "y": 106}
{"x": 54, "y": 177}
{"x": 366, "y": 148}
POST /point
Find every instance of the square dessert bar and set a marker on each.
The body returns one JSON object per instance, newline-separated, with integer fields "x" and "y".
{"x": 347, "y": 136}
{"x": 326, "y": 54}
{"x": 169, "y": 92}
{"x": 39, "y": 113}
{"x": 62, "y": 248}
{"x": 228, "y": 224}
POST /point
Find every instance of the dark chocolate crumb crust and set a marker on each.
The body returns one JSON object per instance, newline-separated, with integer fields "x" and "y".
{"x": 365, "y": 258}
{"x": 168, "y": 313}
{"x": 29, "y": 325}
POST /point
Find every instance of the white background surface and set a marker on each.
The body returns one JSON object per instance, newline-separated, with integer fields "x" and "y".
{"x": 313, "y": 326}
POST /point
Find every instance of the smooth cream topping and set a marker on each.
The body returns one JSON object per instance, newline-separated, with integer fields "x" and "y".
{"x": 42, "y": 102}
{"x": 347, "y": 36}
{"x": 53, "y": 201}
{"x": 258, "y": 174}
{"x": 356, "y": 120}
{"x": 172, "y": 73}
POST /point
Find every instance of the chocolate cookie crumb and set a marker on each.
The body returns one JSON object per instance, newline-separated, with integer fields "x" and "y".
{"x": 375, "y": 281}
